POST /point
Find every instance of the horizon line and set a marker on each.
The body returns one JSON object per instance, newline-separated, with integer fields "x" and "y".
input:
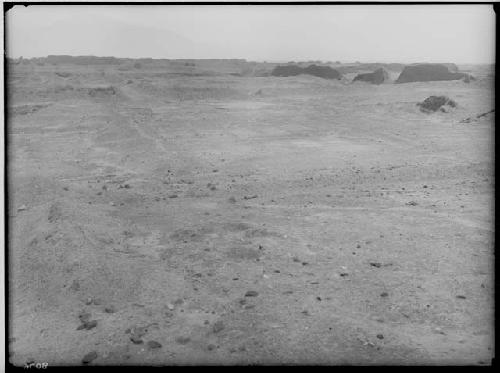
{"x": 251, "y": 60}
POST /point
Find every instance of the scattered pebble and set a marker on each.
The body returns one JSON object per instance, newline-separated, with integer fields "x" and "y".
{"x": 377, "y": 265}
{"x": 384, "y": 294}
{"x": 183, "y": 340}
{"x": 461, "y": 297}
{"x": 380, "y": 336}
{"x": 22, "y": 208}
{"x": 91, "y": 356}
{"x": 87, "y": 325}
{"x": 412, "y": 203}
{"x": 84, "y": 316}
{"x": 170, "y": 306}
{"x": 251, "y": 293}
{"x": 439, "y": 331}
{"x": 153, "y": 345}
{"x": 173, "y": 196}
{"x": 110, "y": 309}
{"x": 136, "y": 340}
{"x": 250, "y": 197}
{"x": 218, "y": 326}
{"x": 344, "y": 274}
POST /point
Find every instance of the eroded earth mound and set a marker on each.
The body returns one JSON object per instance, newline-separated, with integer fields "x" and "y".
{"x": 325, "y": 72}
{"x": 428, "y": 72}
{"x": 379, "y": 76}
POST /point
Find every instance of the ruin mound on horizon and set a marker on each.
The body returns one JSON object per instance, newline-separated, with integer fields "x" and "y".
{"x": 427, "y": 73}
{"x": 325, "y": 72}
{"x": 379, "y": 76}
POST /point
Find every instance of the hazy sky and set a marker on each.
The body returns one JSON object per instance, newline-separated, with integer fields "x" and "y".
{"x": 397, "y": 33}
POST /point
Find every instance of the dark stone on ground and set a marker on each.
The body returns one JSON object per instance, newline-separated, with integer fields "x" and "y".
{"x": 91, "y": 356}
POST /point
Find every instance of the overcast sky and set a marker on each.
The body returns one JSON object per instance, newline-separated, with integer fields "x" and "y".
{"x": 402, "y": 33}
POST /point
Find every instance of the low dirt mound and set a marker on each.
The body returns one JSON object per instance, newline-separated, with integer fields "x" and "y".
{"x": 325, "y": 72}
{"x": 427, "y": 73}
{"x": 379, "y": 76}
{"x": 289, "y": 70}
{"x": 434, "y": 103}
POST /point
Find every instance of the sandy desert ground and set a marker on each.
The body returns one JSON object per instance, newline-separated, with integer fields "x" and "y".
{"x": 247, "y": 220}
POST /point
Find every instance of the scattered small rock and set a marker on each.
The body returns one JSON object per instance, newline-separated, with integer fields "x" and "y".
{"x": 344, "y": 274}
{"x": 251, "y": 293}
{"x": 210, "y": 347}
{"x": 377, "y": 265}
{"x": 384, "y": 294}
{"x": 22, "y": 208}
{"x": 84, "y": 316}
{"x": 461, "y": 297}
{"x": 173, "y": 196}
{"x": 250, "y": 197}
{"x": 438, "y": 330}
{"x": 87, "y": 325}
{"x": 136, "y": 340}
{"x": 218, "y": 326}
{"x": 183, "y": 340}
{"x": 232, "y": 200}
{"x": 110, "y": 309}
{"x": 412, "y": 203}
{"x": 154, "y": 345}
{"x": 97, "y": 301}
{"x": 380, "y": 336}
{"x": 91, "y": 356}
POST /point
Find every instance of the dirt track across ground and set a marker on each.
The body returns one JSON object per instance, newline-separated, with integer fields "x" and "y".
{"x": 241, "y": 220}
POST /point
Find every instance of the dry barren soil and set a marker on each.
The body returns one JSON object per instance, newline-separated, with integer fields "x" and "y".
{"x": 175, "y": 217}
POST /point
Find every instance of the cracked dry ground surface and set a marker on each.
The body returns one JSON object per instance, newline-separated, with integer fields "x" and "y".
{"x": 185, "y": 220}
